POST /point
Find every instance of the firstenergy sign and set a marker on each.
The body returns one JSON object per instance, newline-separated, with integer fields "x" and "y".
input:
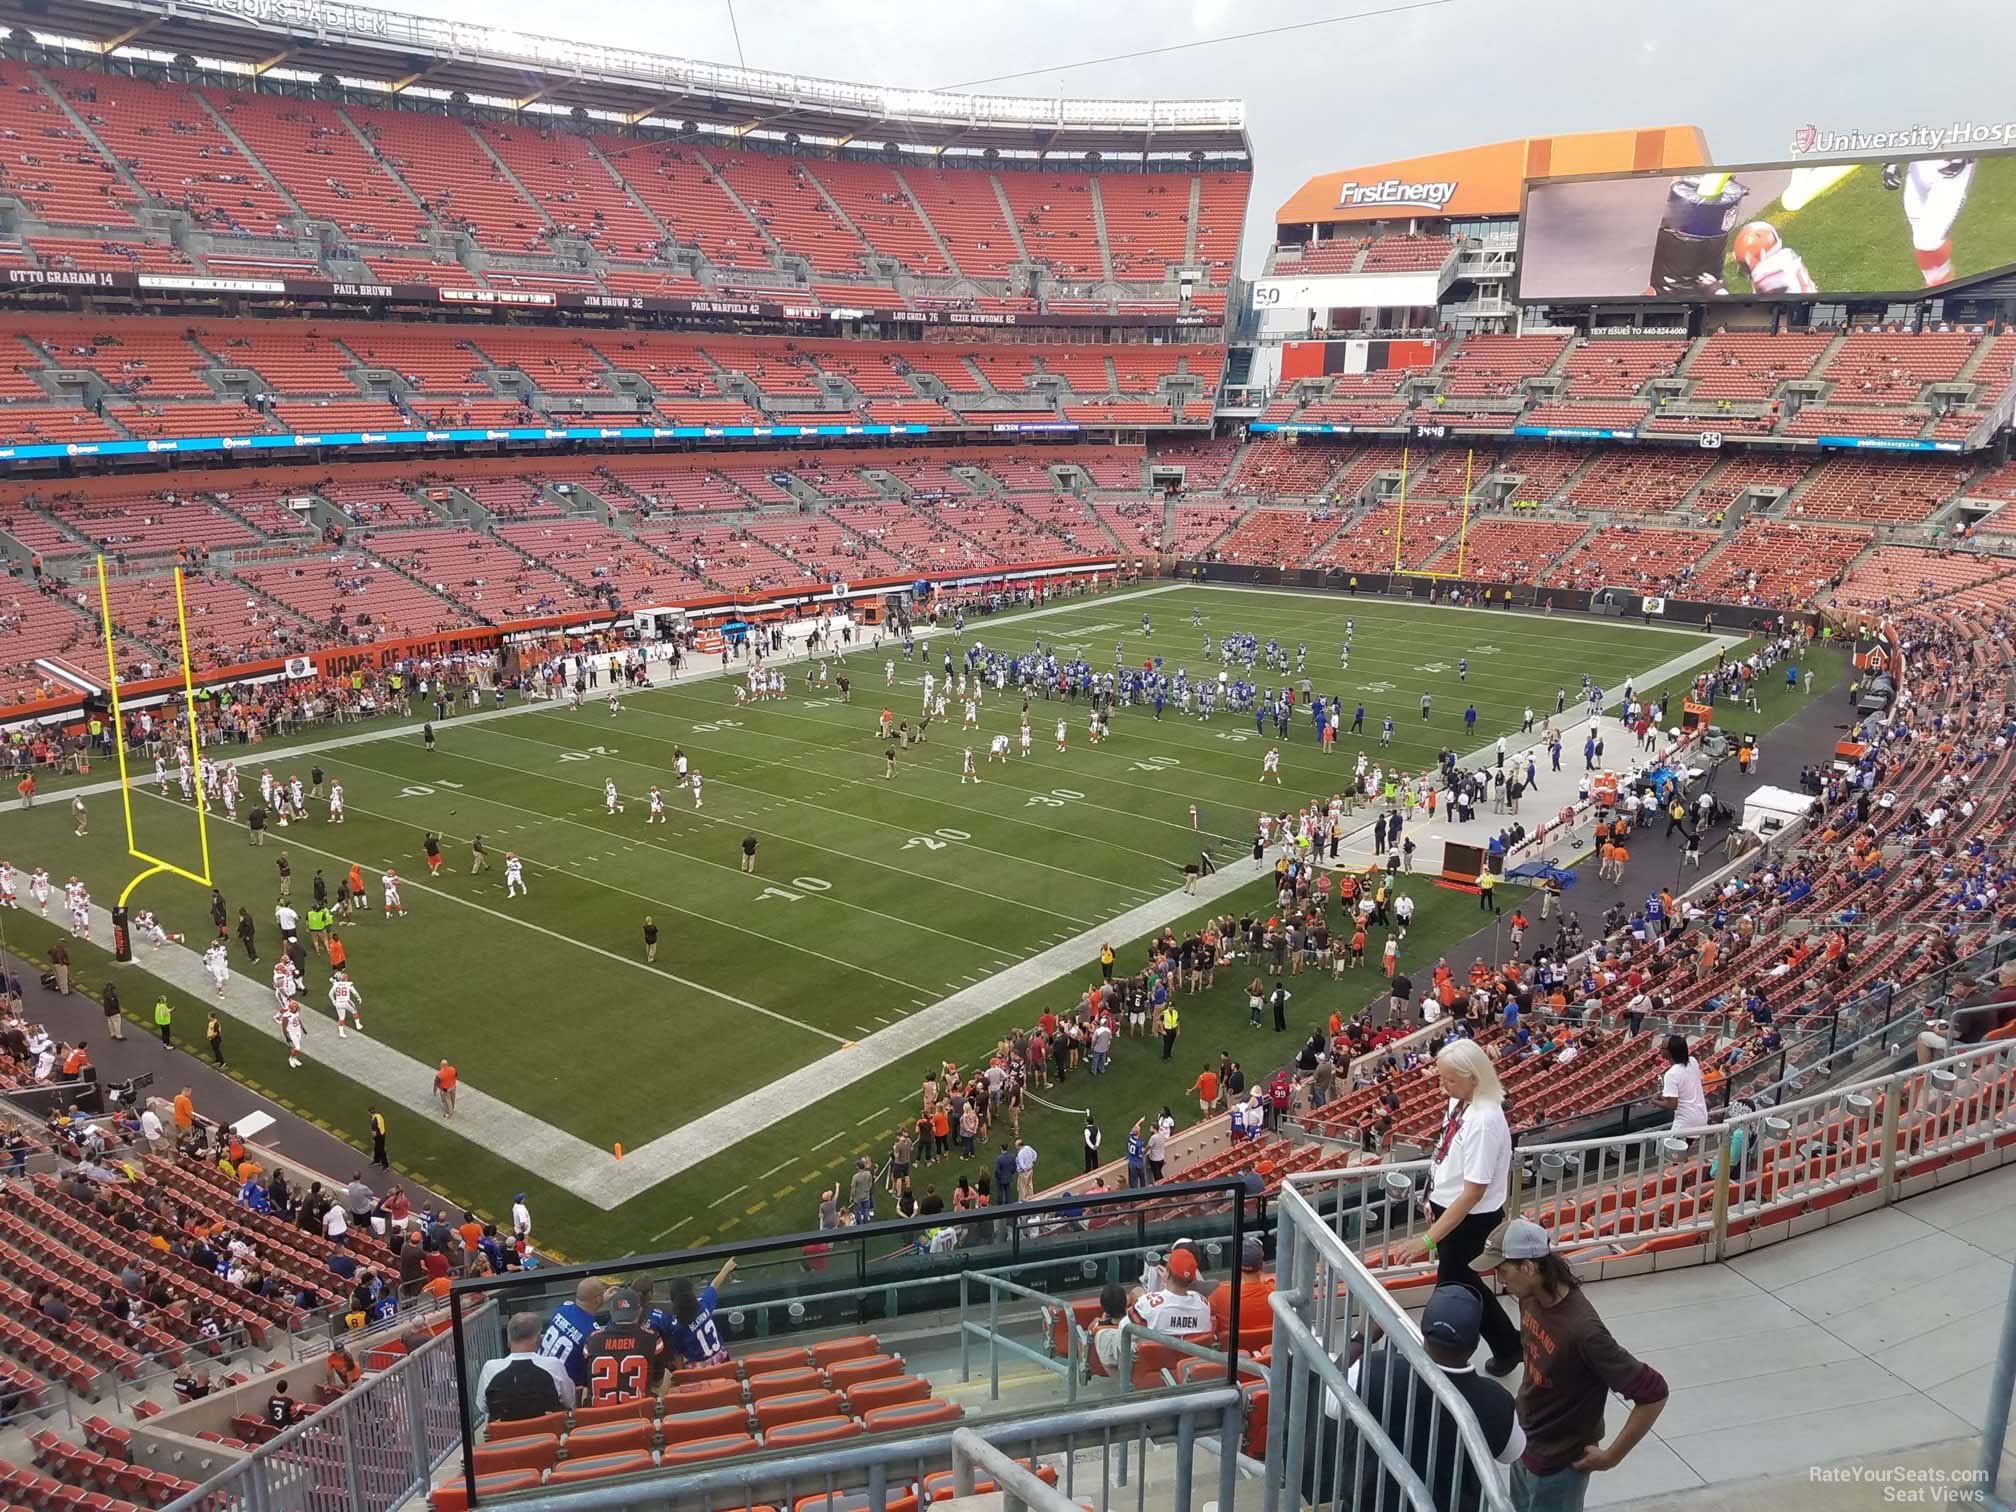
{"x": 1396, "y": 194}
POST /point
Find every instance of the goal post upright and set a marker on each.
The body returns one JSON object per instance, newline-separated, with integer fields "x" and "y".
{"x": 1400, "y": 521}
{"x": 1463, "y": 526}
{"x": 155, "y": 865}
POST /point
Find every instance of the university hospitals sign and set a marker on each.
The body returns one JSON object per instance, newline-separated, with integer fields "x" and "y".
{"x": 1926, "y": 137}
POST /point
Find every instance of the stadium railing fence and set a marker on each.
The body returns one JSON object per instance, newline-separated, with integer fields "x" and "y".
{"x": 368, "y": 1451}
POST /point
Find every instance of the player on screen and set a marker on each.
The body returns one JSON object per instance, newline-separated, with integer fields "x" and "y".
{"x": 623, "y": 1355}
{"x": 1935, "y": 191}
{"x": 1773, "y": 267}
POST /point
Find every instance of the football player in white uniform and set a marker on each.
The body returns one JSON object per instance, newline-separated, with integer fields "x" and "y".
{"x": 346, "y": 1000}
{"x": 217, "y": 961}
{"x": 1935, "y": 191}
{"x": 514, "y": 876}
{"x": 293, "y": 1030}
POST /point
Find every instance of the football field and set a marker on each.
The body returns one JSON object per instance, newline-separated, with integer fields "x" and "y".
{"x": 891, "y": 923}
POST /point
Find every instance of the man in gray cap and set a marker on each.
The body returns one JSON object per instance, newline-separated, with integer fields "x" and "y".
{"x": 1413, "y": 1417}
{"x": 1572, "y": 1366}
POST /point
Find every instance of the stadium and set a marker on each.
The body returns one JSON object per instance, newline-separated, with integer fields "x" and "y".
{"x": 587, "y": 920}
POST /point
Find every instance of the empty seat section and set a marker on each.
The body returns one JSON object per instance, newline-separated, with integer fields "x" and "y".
{"x": 677, "y": 188}
{"x": 1146, "y": 222}
{"x": 1053, "y": 213}
{"x": 175, "y": 151}
{"x": 961, "y": 205}
{"x": 560, "y": 170}
{"x": 49, "y": 166}
{"x": 875, "y": 202}
{"x": 1631, "y": 556}
{"x": 442, "y": 162}
{"x": 319, "y": 159}
{"x": 1617, "y": 369}
{"x": 780, "y": 193}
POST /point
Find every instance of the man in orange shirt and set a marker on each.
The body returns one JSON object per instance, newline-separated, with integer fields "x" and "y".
{"x": 1206, "y": 1088}
{"x": 472, "y": 1242}
{"x": 444, "y": 1088}
{"x": 185, "y": 1112}
{"x": 339, "y": 957}
{"x": 1254, "y": 1285}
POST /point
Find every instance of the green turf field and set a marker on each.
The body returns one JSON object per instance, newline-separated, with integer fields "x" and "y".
{"x": 875, "y": 898}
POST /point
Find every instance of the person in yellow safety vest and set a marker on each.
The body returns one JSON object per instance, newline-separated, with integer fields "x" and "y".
{"x": 1171, "y": 1025}
{"x": 1487, "y": 899}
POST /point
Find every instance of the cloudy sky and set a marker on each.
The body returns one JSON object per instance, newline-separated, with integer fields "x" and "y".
{"x": 1424, "y": 75}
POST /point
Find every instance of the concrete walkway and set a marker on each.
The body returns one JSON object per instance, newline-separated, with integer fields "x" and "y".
{"x": 1871, "y": 1341}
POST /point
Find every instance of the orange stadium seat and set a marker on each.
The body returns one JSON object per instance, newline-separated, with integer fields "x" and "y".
{"x": 699, "y": 1451}
{"x": 609, "y": 1438}
{"x": 705, "y": 1423}
{"x": 801, "y": 1432}
{"x": 906, "y": 1417}
{"x": 601, "y": 1467}
{"x": 453, "y": 1495}
{"x": 529, "y": 1451}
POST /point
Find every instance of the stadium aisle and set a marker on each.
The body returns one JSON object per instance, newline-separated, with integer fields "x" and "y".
{"x": 216, "y": 1095}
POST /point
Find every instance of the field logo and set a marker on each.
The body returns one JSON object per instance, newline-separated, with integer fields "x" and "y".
{"x": 1396, "y": 194}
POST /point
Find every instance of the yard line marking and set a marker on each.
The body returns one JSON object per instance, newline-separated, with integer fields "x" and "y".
{"x": 722, "y": 866}
{"x": 860, "y": 1121}
{"x": 883, "y": 1019}
{"x": 666, "y": 903}
{"x": 726, "y": 1195}
{"x": 876, "y": 785}
{"x": 788, "y": 1160}
{"x": 725, "y": 673}
{"x": 865, "y": 1029}
{"x": 662, "y": 1233}
{"x": 785, "y": 1191}
{"x": 516, "y": 922}
{"x": 904, "y": 827}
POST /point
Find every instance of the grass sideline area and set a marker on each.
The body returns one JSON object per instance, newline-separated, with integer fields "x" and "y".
{"x": 545, "y": 1001}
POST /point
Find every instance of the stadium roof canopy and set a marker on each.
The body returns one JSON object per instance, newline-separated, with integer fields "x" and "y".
{"x": 399, "y": 51}
{"x": 1487, "y": 180}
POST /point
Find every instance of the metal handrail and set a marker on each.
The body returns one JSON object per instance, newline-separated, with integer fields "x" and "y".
{"x": 1021, "y": 1488}
{"x": 844, "y": 1465}
{"x": 1302, "y": 1225}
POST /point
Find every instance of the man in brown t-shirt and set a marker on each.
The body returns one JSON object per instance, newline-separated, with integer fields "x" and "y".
{"x": 1572, "y": 1365}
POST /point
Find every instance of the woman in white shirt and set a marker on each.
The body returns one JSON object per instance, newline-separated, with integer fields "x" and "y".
{"x": 1680, "y": 1089}
{"x": 1467, "y": 1186}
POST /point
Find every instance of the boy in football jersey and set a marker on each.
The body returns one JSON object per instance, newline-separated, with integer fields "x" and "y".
{"x": 621, "y": 1357}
